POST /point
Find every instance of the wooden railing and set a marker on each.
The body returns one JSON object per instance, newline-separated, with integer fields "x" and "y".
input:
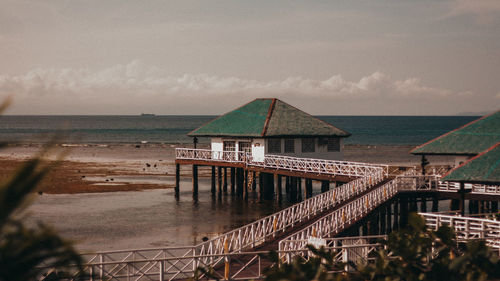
{"x": 433, "y": 182}
{"x": 297, "y": 164}
{"x": 342, "y": 217}
{"x": 140, "y": 265}
{"x": 255, "y": 233}
{"x": 467, "y": 227}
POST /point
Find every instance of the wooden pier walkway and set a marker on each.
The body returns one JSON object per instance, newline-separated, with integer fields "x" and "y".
{"x": 237, "y": 254}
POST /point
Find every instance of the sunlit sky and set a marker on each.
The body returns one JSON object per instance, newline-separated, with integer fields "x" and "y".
{"x": 400, "y": 57}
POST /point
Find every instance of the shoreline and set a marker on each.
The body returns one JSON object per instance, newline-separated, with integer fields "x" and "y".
{"x": 89, "y": 168}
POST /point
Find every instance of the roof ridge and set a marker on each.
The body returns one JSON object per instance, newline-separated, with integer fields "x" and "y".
{"x": 268, "y": 117}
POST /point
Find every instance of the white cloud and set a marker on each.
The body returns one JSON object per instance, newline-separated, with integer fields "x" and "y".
{"x": 485, "y": 11}
{"x": 135, "y": 87}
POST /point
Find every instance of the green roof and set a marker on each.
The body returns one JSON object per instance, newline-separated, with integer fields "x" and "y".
{"x": 267, "y": 118}
{"x": 469, "y": 139}
{"x": 484, "y": 168}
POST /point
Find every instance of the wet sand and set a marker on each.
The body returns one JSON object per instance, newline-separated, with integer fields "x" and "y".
{"x": 105, "y": 168}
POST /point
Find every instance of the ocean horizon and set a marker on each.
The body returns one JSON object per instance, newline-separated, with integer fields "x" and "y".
{"x": 172, "y": 129}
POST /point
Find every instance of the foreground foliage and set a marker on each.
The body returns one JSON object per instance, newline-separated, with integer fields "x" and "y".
{"x": 23, "y": 249}
{"x": 414, "y": 253}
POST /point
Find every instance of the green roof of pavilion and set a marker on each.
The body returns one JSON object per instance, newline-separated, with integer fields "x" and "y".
{"x": 469, "y": 139}
{"x": 267, "y": 118}
{"x": 484, "y": 168}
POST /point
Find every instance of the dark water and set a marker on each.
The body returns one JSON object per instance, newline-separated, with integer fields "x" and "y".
{"x": 150, "y": 218}
{"x": 399, "y": 130}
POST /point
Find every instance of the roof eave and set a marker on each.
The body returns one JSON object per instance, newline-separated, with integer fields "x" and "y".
{"x": 486, "y": 182}
{"x": 447, "y": 153}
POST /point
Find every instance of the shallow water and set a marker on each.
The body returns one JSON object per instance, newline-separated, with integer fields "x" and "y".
{"x": 150, "y": 218}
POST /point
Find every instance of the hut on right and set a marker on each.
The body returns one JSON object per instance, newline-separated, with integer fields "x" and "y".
{"x": 465, "y": 142}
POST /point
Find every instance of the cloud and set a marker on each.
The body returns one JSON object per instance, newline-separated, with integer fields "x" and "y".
{"x": 136, "y": 87}
{"x": 484, "y": 11}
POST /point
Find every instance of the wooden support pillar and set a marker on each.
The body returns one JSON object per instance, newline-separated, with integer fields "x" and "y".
{"x": 309, "y": 188}
{"x": 299, "y": 189}
{"x": 287, "y": 185}
{"x": 261, "y": 186}
{"x": 212, "y": 189}
{"x": 268, "y": 186}
{"x": 224, "y": 187}
{"x": 403, "y": 207}
{"x": 195, "y": 182}
{"x": 278, "y": 182}
{"x": 245, "y": 184}
{"x": 355, "y": 230}
{"x": 233, "y": 179}
{"x": 396, "y": 215}
{"x": 471, "y": 206}
{"x": 481, "y": 207}
{"x": 293, "y": 189}
{"x": 325, "y": 186}
{"x": 475, "y": 206}
{"x": 254, "y": 181}
{"x": 382, "y": 217}
{"x": 373, "y": 224}
{"x": 377, "y": 222}
{"x": 454, "y": 204}
{"x": 494, "y": 206}
{"x": 219, "y": 180}
{"x": 389, "y": 217}
{"x": 239, "y": 182}
{"x": 177, "y": 179}
{"x": 364, "y": 227}
{"x": 423, "y": 205}
{"x": 413, "y": 204}
{"x": 435, "y": 204}
{"x": 462, "y": 199}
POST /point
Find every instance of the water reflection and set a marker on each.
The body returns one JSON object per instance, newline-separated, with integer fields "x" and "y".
{"x": 150, "y": 218}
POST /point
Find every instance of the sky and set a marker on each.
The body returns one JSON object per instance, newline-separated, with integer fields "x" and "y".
{"x": 352, "y": 57}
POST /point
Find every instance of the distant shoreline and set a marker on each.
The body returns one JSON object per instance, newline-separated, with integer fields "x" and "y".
{"x": 91, "y": 168}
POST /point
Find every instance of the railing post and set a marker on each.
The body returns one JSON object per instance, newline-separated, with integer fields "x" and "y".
{"x": 101, "y": 267}
{"x": 91, "y": 273}
{"x": 162, "y": 269}
{"x": 194, "y": 261}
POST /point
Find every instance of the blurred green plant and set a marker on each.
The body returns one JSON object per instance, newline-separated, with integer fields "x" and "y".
{"x": 26, "y": 252}
{"x": 413, "y": 253}
{"x": 417, "y": 253}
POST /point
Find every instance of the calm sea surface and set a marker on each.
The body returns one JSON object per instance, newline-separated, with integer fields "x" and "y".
{"x": 402, "y": 130}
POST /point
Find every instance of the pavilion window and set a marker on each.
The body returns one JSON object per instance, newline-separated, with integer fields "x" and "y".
{"x": 274, "y": 145}
{"x": 308, "y": 145}
{"x": 245, "y": 146}
{"x": 333, "y": 144}
{"x": 289, "y": 146}
{"x": 229, "y": 145}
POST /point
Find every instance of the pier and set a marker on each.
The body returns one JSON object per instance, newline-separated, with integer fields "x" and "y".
{"x": 243, "y": 171}
{"x": 358, "y": 202}
{"x": 367, "y": 201}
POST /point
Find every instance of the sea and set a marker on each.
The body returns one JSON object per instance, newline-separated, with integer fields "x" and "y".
{"x": 156, "y": 218}
{"x": 172, "y": 129}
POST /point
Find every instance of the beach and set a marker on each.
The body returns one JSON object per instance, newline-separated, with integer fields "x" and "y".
{"x": 127, "y": 167}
